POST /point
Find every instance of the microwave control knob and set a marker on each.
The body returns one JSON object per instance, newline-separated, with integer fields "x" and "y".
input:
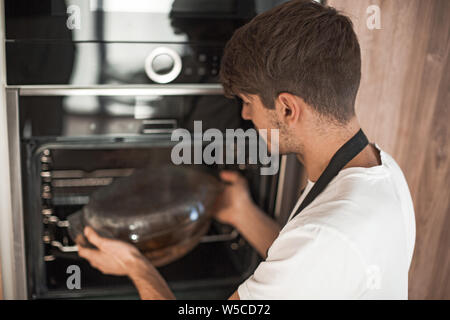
{"x": 163, "y": 65}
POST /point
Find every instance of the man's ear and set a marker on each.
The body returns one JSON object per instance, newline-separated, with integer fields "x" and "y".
{"x": 291, "y": 107}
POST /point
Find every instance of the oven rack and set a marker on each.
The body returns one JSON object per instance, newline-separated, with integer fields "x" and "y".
{"x": 53, "y": 181}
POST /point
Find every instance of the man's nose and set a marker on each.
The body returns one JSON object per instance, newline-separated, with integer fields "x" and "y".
{"x": 245, "y": 113}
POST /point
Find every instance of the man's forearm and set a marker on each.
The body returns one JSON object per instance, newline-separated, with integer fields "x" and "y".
{"x": 259, "y": 229}
{"x": 148, "y": 281}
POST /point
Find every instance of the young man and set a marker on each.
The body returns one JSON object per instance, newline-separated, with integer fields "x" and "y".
{"x": 297, "y": 69}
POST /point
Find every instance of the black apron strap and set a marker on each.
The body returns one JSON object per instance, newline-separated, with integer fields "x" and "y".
{"x": 343, "y": 156}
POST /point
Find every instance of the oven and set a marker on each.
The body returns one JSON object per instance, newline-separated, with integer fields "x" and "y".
{"x": 94, "y": 92}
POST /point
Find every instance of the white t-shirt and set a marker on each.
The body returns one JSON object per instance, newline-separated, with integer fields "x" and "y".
{"x": 354, "y": 241}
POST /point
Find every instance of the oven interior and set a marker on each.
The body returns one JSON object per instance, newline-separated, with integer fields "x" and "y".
{"x": 61, "y": 177}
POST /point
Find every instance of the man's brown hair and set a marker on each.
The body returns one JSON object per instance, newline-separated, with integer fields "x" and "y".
{"x": 301, "y": 47}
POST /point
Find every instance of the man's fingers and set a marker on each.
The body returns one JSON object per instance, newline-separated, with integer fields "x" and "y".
{"x": 106, "y": 245}
{"x": 92, "y": 255}
{"x": 94, "y": 238}
{"x": 85, "y": 252}
{"x": 95, "y": 258}
{"x": 80, "y": 240}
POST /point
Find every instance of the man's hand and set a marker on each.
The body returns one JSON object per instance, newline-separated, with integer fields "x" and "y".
{"x": 111, "y": 256}
{"x": 235, "y": 200}
{"x": 123, "y": 259}
{"x": 236, "y": 207}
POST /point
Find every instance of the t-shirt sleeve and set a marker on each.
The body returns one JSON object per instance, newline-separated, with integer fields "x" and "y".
{"x": 308, "y": 262}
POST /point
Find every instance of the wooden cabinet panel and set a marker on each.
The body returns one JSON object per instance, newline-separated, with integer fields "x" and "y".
{"x": 403, "y": 105}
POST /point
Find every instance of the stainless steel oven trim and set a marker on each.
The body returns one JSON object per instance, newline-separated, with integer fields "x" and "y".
{"x": 13, "y": 259}
{"x": 122, "y": 90}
